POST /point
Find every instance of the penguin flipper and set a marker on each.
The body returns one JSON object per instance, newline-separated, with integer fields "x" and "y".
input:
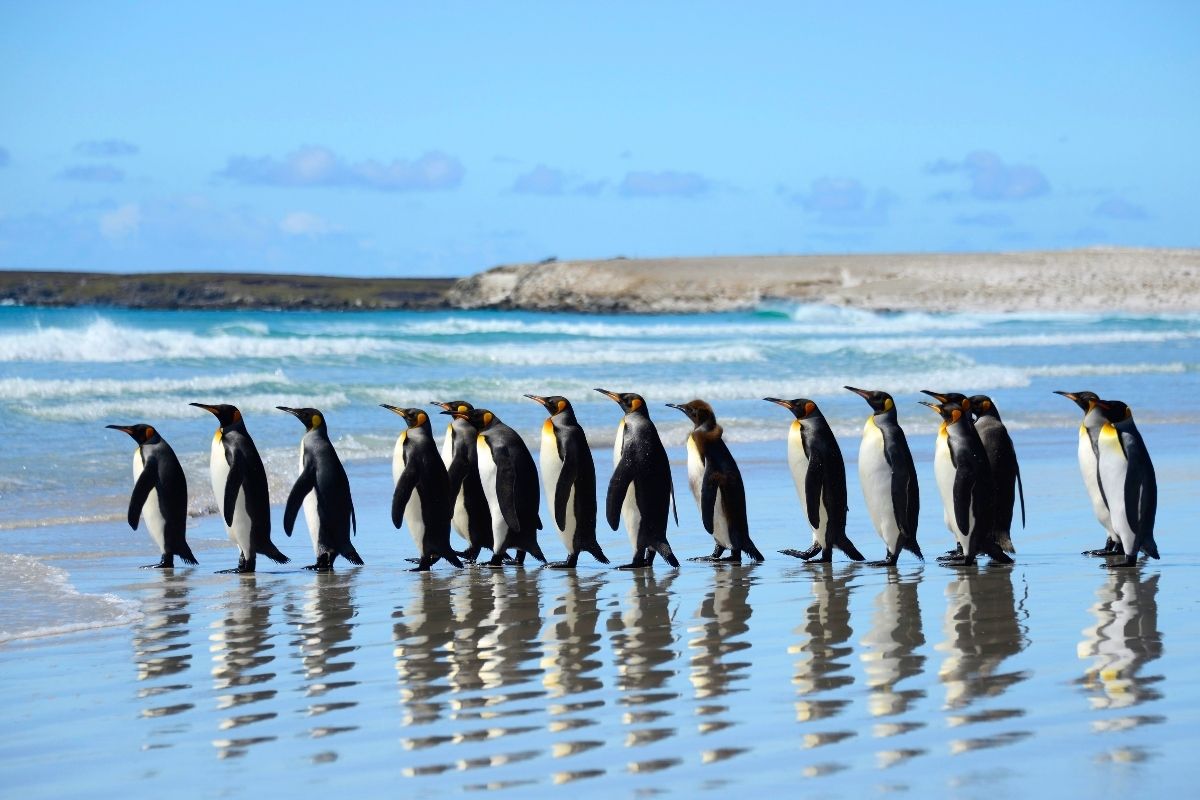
{"x": 617, "y": 488}
{"x": 964, "y": 486}
{"x": 506, "y": 494}
{"x": 906, "y": 501}
{"x": 353, "y": 518}
{"x": 141, "y": 491}
{"x": 457, "y": 474}
{"x": 300, "y": 489}
{"x": 401, "y": 495}
{"x": 814, "y": 482}
{"x": 708, "y": 502}
{"x": 566, "y": 479}
{"x": 1141, "y": 493}
{"x": 1020, "y": 489}
{"x": 233, "y": 483}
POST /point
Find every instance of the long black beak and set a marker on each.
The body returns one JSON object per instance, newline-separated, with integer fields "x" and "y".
{"x": 616, "y": 398}
{"x": 393, "y": 409}
{"x": 537, "y": 399}
{"x": 941, "y": 398}
{"x": 785, "y": 403}
{"x": 294, "y": 412}
{"x": 936, "y": 408}
{"x": 122, "y": 428}
{"x": 1069, "y": 395}
{"x": 210, "y": 409}
{"x": 863, "y": 393}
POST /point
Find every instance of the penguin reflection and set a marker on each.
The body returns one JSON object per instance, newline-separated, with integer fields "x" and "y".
{"x": 1123, "y": 641}
{"x": 424, "y": 627}
{"x": 571, "y": 657}
{"x": 725, "y": 614}
{"x": 823, "y": 667}
{"x": 510, "y": 649}
{"x": 982, "y": 630}
{"x": 242, "y": 655}
{"x": 892, "y": 646}
{"x": 643, "y": 650}
{"x": 325, "y": 626}
{"x": 161, "y": 646}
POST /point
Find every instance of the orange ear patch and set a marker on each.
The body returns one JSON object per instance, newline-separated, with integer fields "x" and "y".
{"x": 562, "y": 405}
{"x": 636, "y": 404}
{"x": 955, "y": 414}
{"x": 487, "y": 418}
{"x": 421, "y": 418}
{"x": 809, "y": 407}
{"x": 150, "y": 432}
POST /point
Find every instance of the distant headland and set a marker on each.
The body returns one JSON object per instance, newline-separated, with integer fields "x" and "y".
{"x": 1094, "y": 279}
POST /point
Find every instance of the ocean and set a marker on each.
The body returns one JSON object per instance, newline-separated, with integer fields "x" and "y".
{"x": 1045, "y": 677}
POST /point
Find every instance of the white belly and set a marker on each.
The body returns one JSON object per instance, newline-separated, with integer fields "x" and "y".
{"x": 696, "y": 482}
{"x": 447, "y": 451}
{"x": 413, "y": 515}
{"x": 239, "y": 531}
{"x": 1087, "y": 468}
{"x": 1113, "y": 468}
{"x": 487, "y": 476}
{"x": 458, "y": 518}
{"x": 551, "y": 469}
{"x": 152, "y": 516}
{"x": 943, "y": 470}
{"x": 876, "y": 478}
{"x": 798, "y": 464}
{"x": 311, "y": 517}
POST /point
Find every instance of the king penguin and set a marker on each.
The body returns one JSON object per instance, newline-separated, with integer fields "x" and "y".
{"x": 1006, "y": 470}
{"x": 717, "y": 485}
{"x": 1127, "y": 479}
{"x": 1089, "y": 455}
{"x": 324, "y": 491}
{"x": 819, "y": 472}
{"x": 471, "y": 517}
{"x": 510, "y": 483}
{"x": 888, "y": 478}
{"x": 964, "y": 480}
{"x": 569, "y": 478}
{"x": 239, "y": 482}
{"x": 159, "y": 495}
{"x": 421, "y": 493}
{"x": 640, "y": 491}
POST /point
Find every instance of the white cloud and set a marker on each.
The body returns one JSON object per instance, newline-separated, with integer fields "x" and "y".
{"x": 122, "y": 221}
{"x": 302, "y": 223}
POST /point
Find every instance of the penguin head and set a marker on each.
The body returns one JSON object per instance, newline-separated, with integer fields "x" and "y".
{"x": 140, "y": 433}
{"x": 629, "y": 402}
{"x": 1085, "y": 400}
{"x": 983, "y": 406}
{"x": 228, "y": 416}
{"x": 451, "y": 406}
{"x": 950, "y": 398}
{"x": 949, "y": 412}
{"x": 312, "y": 418}
{"x": 554, "y": 404}
{"x": 1114, "y": 410}
{"x": 480, "y": 418}
{"x": 698, "y": 411}
{"x": 880, "y": 402}
{"x": 415, "y": 417}
{"x": 802, "y": 407}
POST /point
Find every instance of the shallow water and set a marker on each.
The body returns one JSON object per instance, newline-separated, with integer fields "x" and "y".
{"x": 1049, "y": 677}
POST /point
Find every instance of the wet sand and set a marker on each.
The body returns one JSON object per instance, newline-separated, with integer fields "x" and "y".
{"x": 1049, "y": 677}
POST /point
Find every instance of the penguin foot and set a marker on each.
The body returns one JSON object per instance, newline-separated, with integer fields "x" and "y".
{"x": 881, "y": 563}
{"x": 159, "y": 565}
{"x": 801, "y": 554}
{"x": 413, "y": 560}
{"x": 633, "y": 565}
{"x": 318, "y": 567}
{"x": 560, "y": 565}
{"x": 238, "y": 570}
{"x": 957, "y": 561}
{"x": 1098, "y": 553}
{"x": 1126, "y": 564}
{"x": 728, "y": 559}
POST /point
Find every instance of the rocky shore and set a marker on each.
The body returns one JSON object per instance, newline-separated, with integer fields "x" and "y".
{"x": 1098, "y": 279}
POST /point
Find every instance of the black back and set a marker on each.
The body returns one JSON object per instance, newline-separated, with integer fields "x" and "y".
{"x": 520, "y": 495}
{"x": 973, "y": 485}
{"x": 906, "y": 493}
{"x": 579, "y": 471}
{"x": 171, "y": 485}
{"x": 1002, "y": 459}
{"x": 463, "y": 473}
{"x": 240, "y": 447}
{"x": 821, "y": 447}
{"x": 643, "y": 463}
{"x": 335, "y": 507}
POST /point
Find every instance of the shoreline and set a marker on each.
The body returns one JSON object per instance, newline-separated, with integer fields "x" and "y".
{"x": 1096, "y": 279}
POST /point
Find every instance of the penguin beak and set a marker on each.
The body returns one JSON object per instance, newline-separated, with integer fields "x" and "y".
{"x": 535, "y": 398}
{"x": 785, "y": 403}
{"x": 122, "y": 428}
{"x": 941, "y": 398}
{"x": 863, "y": 393}
{"x": 395, "y": 410}
{"x": 443, "y": 406}
{"x": 936, "y": 409}
{"x": 455, "y": 414}
{"x": 210, "y": 409}
{"x": 675, "y": 405}
{"x": 616, "y": 398}
{"x": 291, "y": 411}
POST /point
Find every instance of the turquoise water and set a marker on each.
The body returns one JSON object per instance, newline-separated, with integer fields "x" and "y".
{"x": 1049, "y": 677}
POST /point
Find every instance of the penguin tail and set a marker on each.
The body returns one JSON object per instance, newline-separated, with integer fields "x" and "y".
{"x": 749, "y": 549}
{"x": 663, "y": 548}
{"x": 535, "y": 550}
{"x": 910, "y": 544}
{"x": 272, "y": 552}
{"x": 597, "y": 553}
{"x": 1150, "y": 547}
{"x": 348, "y": 552}
{"x": 847, "y": 547}
{"x": 1004, "y": 539}
{"x": 185, "y": 553}
{"x": 450, "y": 555}
{"x": 992, "y": 550}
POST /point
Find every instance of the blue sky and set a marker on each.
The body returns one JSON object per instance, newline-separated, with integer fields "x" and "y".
{"x": 441, "y": 139}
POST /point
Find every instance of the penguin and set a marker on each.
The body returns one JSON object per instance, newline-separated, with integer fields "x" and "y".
{"x": 964, "y": 480}
{"x": 569, "y": 477}
{"x": 958, "y": 399}
{"x": 717, "y": 485}
{"x": 421, "y": 495}
{"x": 510, "y": 483}
{"x": 1128, "y": 482}
{"x": 640, "y": 491}
{"x": 1006, "y": 470}
{"x": 817, "y": 467}
{"x": 888, "y": 478}
{"x": 324, "y": 491}
{"x": 240, "y": 483}
{"x": 1089, "y": 455}
{"x": 159, "y": 495}
{"x": 471, "y": 517}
